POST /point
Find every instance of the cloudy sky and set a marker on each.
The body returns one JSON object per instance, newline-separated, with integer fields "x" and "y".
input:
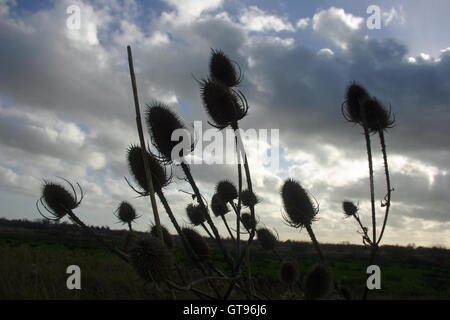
{"x": 66, "y": 105}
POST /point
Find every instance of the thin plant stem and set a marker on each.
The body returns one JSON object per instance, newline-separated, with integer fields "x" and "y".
{"x": 372, "y": 191}
{"x": 96, "y": 236}
{"x": 228, "y": 228}
{"x": 148, "y": 173}
{"x": 387, "y": 204}
{"x": 315, "y": 243}
{"x": 191, "y": 181}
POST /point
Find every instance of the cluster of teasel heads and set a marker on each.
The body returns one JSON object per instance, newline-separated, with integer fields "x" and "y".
{"x": 152, "y": 257}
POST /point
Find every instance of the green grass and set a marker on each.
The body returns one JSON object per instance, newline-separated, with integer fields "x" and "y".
{"x": 33, "y": 266}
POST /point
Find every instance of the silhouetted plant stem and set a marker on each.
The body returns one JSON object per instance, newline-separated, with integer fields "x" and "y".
{"x": 315, "y": 243}
{"x": 387, "y": 204}
{"x": 372, "y": 191}
{"x": 238, "y": 210}
{"x": 148, "y": 173}
{"x": 364, "y": 229}
{"x": 191, "y": 181}
{"x": 96, "y": 236}
{"x": 228, "y": 228}
{"x": 207, "y": 231}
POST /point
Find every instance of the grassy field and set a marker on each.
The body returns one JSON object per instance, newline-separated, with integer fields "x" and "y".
{"x": 33, "y": 266}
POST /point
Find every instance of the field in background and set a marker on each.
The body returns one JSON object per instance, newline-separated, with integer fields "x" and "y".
{"x": 34, "y": 257}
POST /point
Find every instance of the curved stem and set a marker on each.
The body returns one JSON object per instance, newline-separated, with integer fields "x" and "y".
{"x": 388, "y": 184}
{"x": 96, "y": 236}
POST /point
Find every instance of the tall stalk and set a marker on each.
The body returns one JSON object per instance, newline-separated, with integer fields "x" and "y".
{"x": 148, "y": 173}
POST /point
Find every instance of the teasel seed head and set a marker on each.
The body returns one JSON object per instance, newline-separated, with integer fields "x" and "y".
{"x": 126, "y": 213}
{"x": 195, "y": 214}
{"x": 161, "y": 123}
{"x": 226, "y": 190}
{"x": 197, "y": 243}
{"x": 218, "y": 206}
{"x": 151, "y": 259}
{"x": 247, "y": 221}
{"x": 378, "y": 118}
{"x": 168, "y": 239}
{"x": 160, "y": 179}
{"x": 288, "y": 272}
{"x": 300, "y": 210}
{"x": 318, "y": 282}
{"x": 249, "y": 198}
{"x": 222, "y": 68}
{"x": 58, "y": 200}
{"x": 224, "y": 105}
{"x": 356, "y": 95}
{"x": 266, "y": 238}
{"x": 350, "y": 209}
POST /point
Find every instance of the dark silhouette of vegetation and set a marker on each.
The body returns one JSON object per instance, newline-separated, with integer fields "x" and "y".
{"x": 152, "y": 256}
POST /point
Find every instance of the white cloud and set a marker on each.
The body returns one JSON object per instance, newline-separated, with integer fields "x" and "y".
{"x": 188, "y": 11}
{"x": 336, "y": 26}
{"x": 303, "y": 23}
{"x": 255, "y": 19}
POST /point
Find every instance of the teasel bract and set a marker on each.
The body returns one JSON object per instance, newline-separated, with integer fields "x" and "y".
{"x": 226, "y": 190}
{"x": 161, "y": 123}
{"x": 288, "y": 272}
{"x": 197, "y": 243}
{"x": 300, "y": 210}
{"x": 318, "y": 282}
{"x": 266, "y": 238}
{"x": 218, "y": 206}
{"x": 195, "y": 214}
{"x": 160, "y": 178}
{"x": 126, "y": 213}
{"x": 151, "y": 259}
{"x": 349, "y": 208}
{"x": 168, "y": 239}
{"x": 57, "y": 200}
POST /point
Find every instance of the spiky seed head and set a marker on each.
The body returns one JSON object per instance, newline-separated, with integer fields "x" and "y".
{"x": 297, "y": 203}
{"x": 161, "y": 123}
{"x": 222, "y": 68}
{"x": 195, "y": 214}
{"x": 151, "y": 259}
{"x": 137, "y": 169}
{"x": 58, "y": 199}
{"x": 218, "y": 206}
{"x": 288, "y": 272}
{"x": 249, "y": 198}
{"x": 266, "y": 238}
{"x": 197, "y": 243}
{"x": 318, "y": 282}
{"x": 168, "y": 239}
{"x": 126, "y": 212}
{"x": 226, "y": 190}
{"x": 223, "y": 105}
{"x": 350, "y": 209}
{"x": 378, "y": 118}
{"x": 356, "y": 95}
{"x": 247, "y": 221}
